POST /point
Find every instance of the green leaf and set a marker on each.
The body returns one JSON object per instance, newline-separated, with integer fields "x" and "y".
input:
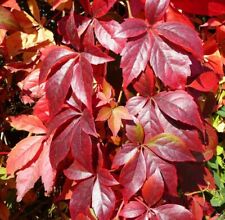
{"x": 217, "y": 179}
{"x": 218, "y": 198}
{"x": 221, "y": 112}
{"x": 3, "y": 174}
{"x": 219, "y": 150}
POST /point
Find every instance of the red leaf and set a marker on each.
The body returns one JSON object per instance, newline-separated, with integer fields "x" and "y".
{"x": 135, "y": 133}
{"x": 58, "y": 85}
{"x": 77, "y": 171}
{"x": 24, "y": 152}
{"x": 133, "y": 175}
{"x": 54, "y": 56}
{"x": 124, "y": 155}
{"x": 62, "y": 118}
{"x": 180, "y": 106}
{"x": 81, "y": 198}
{"x": 86, "y": 5}
{"x": 135, "y": 57}
{"x": 145, "y": 84}
{"x": 72, "y": 129}
{"x": 170, "y": 147}
{"x": 131, "y": 27}
{"x": 206, "y": 82}
{"x": 61, "y": 144}
{"x": 100, "y": 8}
{"x": 167, "y": 170}
{"x": 201, "y": 7}
{"x": 87, "y": 122}
{"x": 171, "y": 66}
{"x": 183, "y": 36}
{"x": 103, "y": 200}
{"x": 41, "y": 109}
{"x": 71, "y": 32}
{"x": 133, "y": 209}
{"x": 24, "y": 184}
{"x": 155, "y": 9}
{"x": 150, "y": 122}
{"x": 175, "y": 212}
{"x": 153, "y": 188}
{"x": 81, "y": 147}
{"x": 46, "y": 171}
{"x": 190, "y": 137}
{"x": 105, "y": 31}
{"x": 106, "y": 178}
{"x": 41, "y": 168}
{"x": 95, "y": 55}
{"x": 82, "y": 81}
{"x": 135, "y": 104}
{"x": 30, "y": 123}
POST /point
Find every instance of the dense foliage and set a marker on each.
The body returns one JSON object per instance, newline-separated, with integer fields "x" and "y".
{"x": 108, "y": 108}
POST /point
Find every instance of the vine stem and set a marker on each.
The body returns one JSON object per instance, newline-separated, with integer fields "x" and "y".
{"x": 197, "y": 192}
{"x": 118, "y": 212}
{"x": 120, "y": 96}
{"x": 129, "y": 9}
{"x": 4, "y": 153}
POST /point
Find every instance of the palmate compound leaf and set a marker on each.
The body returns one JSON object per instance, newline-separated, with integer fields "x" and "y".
{"x": 69, "y": 69}
{"x": 94, "y": 193}
{"x": 86, "y": 27}
{"x": 173, "y": 142}
{"x": 74, "y": 126}
{"x": 145, "y": 44}
{"x": 100, "y": 195}
{"x": 141, "y": 211}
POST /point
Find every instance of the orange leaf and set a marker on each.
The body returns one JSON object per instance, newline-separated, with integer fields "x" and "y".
{"x": 7, "y": 20}
{"x": 117, "y": 115}
{"x": 104, "y": 114}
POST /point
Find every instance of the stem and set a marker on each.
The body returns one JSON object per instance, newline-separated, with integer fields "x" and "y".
{"x": 4, "y": 153}
{"x": 118, "y": 212}
{"x": 120, "y": 96}
{"x": 129, "y": 9}
{"x": 197, "y": 192}
{"x": 140, "y": 201}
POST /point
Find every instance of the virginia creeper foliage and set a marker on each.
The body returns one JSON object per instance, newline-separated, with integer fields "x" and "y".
{"x": 116, "y": 96}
